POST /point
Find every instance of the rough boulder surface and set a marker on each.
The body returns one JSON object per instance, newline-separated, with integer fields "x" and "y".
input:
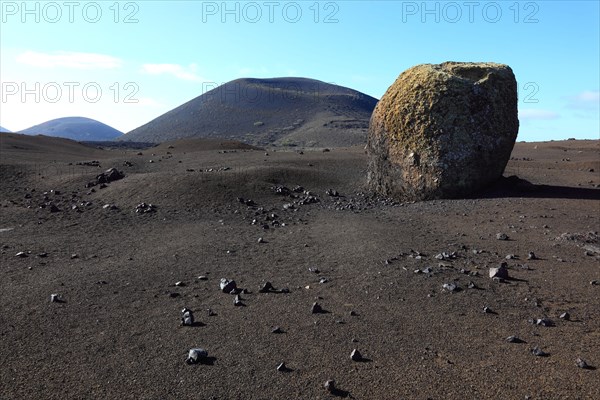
{"x": 443, "y": 131}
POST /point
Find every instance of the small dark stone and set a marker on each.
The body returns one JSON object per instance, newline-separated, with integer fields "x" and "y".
{"x": 581, "y": 363}
{"x": 355, "y": 355}
{"x": 500, "y": 272}
{"x": 266, "y": 288}
{"x": 501, "y": 236}
{"x": 531, "y": 256}
{"x": 514, "y": 339}
{"x": 316, "y": 308}
{"x": 329, "y": 385}
{"x": 536, "y": 351}
{"x": 227, "y": 285}
{"x": 237, "y": 301}
{"x": 282, "y": 368}
{"x": 451, "y": 287}
{"x": 187, "y": 317}
{"x": 276, "y": 330}
{"x": 566, "y": 316}
{"x": 544, "y": 322}
{"x": 196, "y": 356}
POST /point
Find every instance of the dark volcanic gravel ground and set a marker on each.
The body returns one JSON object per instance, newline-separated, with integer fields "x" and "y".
{"x": 117, "y": 332}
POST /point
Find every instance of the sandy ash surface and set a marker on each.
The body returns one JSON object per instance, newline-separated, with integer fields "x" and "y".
{"x": 117, "y": 333}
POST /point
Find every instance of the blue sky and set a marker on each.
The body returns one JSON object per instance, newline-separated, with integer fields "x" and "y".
{"x": 127, "y": 62}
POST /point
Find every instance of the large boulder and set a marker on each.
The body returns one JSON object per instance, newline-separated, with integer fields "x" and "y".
{"x": 443, "y": 131}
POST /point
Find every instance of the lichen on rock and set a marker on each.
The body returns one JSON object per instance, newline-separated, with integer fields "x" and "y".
{"x": 443, "y": 130}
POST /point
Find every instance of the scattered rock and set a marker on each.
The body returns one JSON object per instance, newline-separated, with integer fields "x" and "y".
{"x": 536, "y": 351}
{"x": 266, "y": 288}
{"x": 451, "y": 287}
{"x": 187, "y": 317}
{"x": 227, "y": 285}
{"x": 329, "y": 385}
{"x": 581, "y": 363}
{"x": 282, "y": 190}
{"x": 110, "y": 175}
{"x": 282, "y": 367}
{"x": 355, "y": 355}
{"x": 543, "y": 322}
{"x": 144, "y": 208}
{"x": 196, "y": 356}
{"x": 531, "y": 256}
{"x": 276, "y": 329}
{"x": 261, "y": 240}
{"x": 269, "y": 288}
{"x": 55, "y": 298}
{"x": 21, "y": 254}
{"x": 332, "y": 193}
{"x": 499, "y": 272}
{"x": 203, "y": 278}
{"x": 566, "y": 316}
{"x": 316, "y": 308}
{"x": 514, "y": 339}
{"x": 237, "y": 301}
{"x": 446, "y": 256}
{"x": 501, "y": 236}
{"x": 488, "y": 310}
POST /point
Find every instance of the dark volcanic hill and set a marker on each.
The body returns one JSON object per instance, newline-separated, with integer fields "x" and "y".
{"x": 4, "y": 130}
{"x": 75, "y": 128}
{"x": 280, "y": 111}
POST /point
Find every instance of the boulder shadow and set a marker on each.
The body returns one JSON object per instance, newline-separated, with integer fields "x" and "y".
{"x": 340, "y": 393}
{"x": 207, "y": 361}
{"x": 513, "y": 186}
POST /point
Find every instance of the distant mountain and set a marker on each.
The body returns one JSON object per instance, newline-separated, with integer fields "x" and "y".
{"x": 75, "y": 128}
{"x": 4, "y": 130}
{"x": 280, "y": 111}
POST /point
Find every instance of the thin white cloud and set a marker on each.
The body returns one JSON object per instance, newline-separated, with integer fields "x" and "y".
{"x": 66, "y": 59}
{"x": 536, "y": 113}
{"x": 586, "y": 100}
{"x": 176, "y": 70}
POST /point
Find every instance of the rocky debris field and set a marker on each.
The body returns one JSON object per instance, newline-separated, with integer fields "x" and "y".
{"x": 230, "y": 275}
